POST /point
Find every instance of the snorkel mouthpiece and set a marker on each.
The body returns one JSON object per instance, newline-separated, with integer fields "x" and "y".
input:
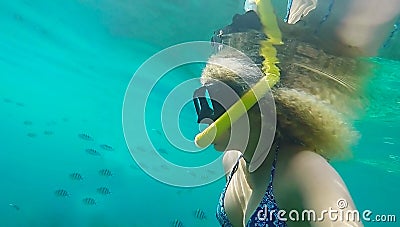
{"x": 206, "y": 137}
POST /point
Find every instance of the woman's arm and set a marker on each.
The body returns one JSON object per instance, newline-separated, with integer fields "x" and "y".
{"x": 323, "y": 190}
{"x": 347, "y": 27}
{"x": 365, "y": 25}
{"x": 356, "y": 27}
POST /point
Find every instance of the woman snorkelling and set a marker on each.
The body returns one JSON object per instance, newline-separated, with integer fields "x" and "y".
{"x": 317, "y": 92}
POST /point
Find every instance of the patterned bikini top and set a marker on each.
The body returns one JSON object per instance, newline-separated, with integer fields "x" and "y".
{"x": 266, "y": 213}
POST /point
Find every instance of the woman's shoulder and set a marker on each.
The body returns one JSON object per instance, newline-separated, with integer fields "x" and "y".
{"x": 306, "y": 170}
{"x": 305, "y": 163}
{"x": 316, "y": 180}
{"x": 319, "y": 185}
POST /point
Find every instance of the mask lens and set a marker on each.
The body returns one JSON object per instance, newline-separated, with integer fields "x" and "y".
{"x": 207, "y": 107}
{"x": 218, "y": 109}
{"x": 203, "y": 105}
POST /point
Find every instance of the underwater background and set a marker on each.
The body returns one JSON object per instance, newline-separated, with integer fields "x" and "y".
{"x": 64, "y": 69}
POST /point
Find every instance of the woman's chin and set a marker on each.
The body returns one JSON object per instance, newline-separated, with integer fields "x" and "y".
{"x": 219, "y": 147}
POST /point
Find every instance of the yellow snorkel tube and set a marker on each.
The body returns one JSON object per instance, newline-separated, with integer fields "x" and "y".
{"x": 251, "y": 97}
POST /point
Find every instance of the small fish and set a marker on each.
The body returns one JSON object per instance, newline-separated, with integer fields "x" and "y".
{"x": 103, "y": 191}
{"x": 105, "y": 172}
{"x": 6, "y": 100}
{"x": 106, "y": 147}
{"x": 48, "y": 132}
{"x": 27, "y": 122}
{"x": 156, "y": 131}
{"x": 89, "y": 201}
{"x": 20, "y": 104}
{"x": 31, "y": 134}
{"x": 85, "y": 137}
{"x": 141, "y": 149}
{"x": 199, "y": 214}
{"x": 16, "y": 207}
{"x": 210, "y": 171}
{"x": 61, "y": 193}
{"x": 76, "y": 176}
{"x": 92, "y": 151}
{"x": 165, "y": 167}
{"x": 162, "y": 151}
{"x": 176, "y": 223}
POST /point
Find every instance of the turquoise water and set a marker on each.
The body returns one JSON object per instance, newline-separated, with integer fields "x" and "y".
{"x": 64, "y": 68}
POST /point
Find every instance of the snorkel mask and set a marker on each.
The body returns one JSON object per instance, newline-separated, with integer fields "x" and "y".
{"x": 208, "y": 109}
{"x": 220, "y": 118}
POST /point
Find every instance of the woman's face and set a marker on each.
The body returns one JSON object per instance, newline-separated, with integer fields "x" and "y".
{"x": 221, "y": 143}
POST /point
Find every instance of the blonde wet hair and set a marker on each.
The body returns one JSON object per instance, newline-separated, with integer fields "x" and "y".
{"x": 317, "y": 98}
